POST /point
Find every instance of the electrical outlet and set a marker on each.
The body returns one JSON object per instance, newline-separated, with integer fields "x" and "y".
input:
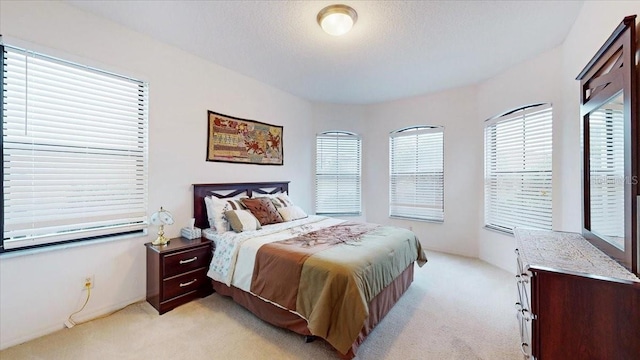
{"x": 89, "y": 279}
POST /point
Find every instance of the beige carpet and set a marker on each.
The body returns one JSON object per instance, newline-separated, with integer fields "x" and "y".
{"x": 457, "y": 308}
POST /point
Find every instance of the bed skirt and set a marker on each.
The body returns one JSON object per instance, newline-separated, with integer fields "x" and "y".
{"x": 378, "y": 308}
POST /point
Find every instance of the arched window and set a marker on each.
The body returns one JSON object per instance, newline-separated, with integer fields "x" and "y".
{"x": 517, "y": 169}
{"x": 416, "y": 184}
{"x": 338, "y": 188}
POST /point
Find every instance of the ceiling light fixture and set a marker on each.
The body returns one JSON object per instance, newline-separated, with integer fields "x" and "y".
{"x": 337, "y": 19}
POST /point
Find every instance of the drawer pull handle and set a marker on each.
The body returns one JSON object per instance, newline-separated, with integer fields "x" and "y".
{"x": 524, "y": 347}
{"x": 189, "y": 260}
{"x": 188, "y": 283}
{"x": 528, "y": 315}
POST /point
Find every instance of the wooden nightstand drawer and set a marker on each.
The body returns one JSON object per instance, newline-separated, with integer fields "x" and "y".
{"x": 187, "y": 260}
{"x": 184, "y": 283}
{"x": 177, "y": 272}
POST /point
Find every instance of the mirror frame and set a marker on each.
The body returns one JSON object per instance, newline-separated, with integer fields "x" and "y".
{"x": 612, "y": 70}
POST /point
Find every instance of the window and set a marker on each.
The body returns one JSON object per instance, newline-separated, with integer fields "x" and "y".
{"x": 74, "y": 142}
{"x": 338, "y": 173}
{"x": 417, "y": 173}
{"x": 517, "y": 169}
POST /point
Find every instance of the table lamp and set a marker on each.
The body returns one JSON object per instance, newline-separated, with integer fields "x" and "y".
{"x": 162, "y": 218}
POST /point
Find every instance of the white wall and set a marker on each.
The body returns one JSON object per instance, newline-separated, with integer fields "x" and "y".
{"x": 456, "y": 111}
{"x": 339, "y": 117}
{"x": 531, "y": 82}
{"x": 462, "y": 112}
{"x": 39, "y": 290}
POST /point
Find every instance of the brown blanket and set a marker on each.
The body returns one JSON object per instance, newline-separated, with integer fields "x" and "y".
{"x": 329, "y": 276}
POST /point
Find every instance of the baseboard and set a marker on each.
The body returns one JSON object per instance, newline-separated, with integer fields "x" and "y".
{"x": 51, "y": 328}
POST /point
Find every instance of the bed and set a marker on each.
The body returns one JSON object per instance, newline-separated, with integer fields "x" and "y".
{"x": 314, "y": 275}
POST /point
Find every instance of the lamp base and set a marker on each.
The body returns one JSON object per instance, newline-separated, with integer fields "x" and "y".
{"x": 160, "y": 241}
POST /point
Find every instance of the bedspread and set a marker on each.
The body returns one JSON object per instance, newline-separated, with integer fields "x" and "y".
{"x": 326, "y": 270}
{"x": 338, "y": 270}
{"x": 237, "y": 250}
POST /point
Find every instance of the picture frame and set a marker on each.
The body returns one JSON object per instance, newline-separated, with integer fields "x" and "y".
{"x": 235, "y": 140}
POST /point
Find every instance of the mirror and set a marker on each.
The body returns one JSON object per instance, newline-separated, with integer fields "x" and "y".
{"x": 606, "y": 171}
{"x": 609, "y": 108}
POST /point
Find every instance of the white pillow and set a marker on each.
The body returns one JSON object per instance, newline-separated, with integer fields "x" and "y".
{"x": 242, "y": 220}
{"x": 217, "y": 207}
{"x": 293, "y": 212}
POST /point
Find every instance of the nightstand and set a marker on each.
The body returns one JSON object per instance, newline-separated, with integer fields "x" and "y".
{"x": 177, "y": 272}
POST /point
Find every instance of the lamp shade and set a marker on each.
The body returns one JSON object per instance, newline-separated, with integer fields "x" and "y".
{"x": 337, "y": 20}
{"x": 161, "y": 217}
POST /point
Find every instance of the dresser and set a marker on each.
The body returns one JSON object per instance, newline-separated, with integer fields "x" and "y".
{"x": 574, "y": 302}
{"x": 177, "y": 272}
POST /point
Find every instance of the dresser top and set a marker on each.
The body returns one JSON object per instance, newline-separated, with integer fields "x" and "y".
{"x": 567, "y": 251}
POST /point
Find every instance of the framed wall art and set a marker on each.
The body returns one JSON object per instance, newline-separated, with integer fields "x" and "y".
{"x": 235, "y": 140}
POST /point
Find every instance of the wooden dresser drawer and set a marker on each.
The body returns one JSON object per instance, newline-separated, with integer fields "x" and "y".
{"x": 184, "y": 283}
{"x": 187, "y": 260}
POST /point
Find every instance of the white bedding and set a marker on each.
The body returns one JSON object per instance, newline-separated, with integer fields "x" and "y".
{"x": 234, "y": 256}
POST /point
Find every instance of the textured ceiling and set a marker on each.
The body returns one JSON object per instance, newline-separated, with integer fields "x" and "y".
{"x": 396, "y": 49}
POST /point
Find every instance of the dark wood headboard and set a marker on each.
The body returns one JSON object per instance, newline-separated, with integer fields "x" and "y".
{"x": 200, "y": 191}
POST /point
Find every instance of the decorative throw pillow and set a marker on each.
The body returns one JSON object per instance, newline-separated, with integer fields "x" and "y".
{"x": 281, "y": 201}
{"x": 242, "y": 220}
{"x": 216, "y": 209}
{"x": 293, "y": 212}
{"x": 263, "y": 209}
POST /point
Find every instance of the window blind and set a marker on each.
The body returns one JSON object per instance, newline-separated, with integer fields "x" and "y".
{"x": 606, "y": 152}
{"x": 518, "y": 172}
{"x": 74, "y": 143}
{"x": 417, "y": 173}
{"x": 338, "y": 189}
